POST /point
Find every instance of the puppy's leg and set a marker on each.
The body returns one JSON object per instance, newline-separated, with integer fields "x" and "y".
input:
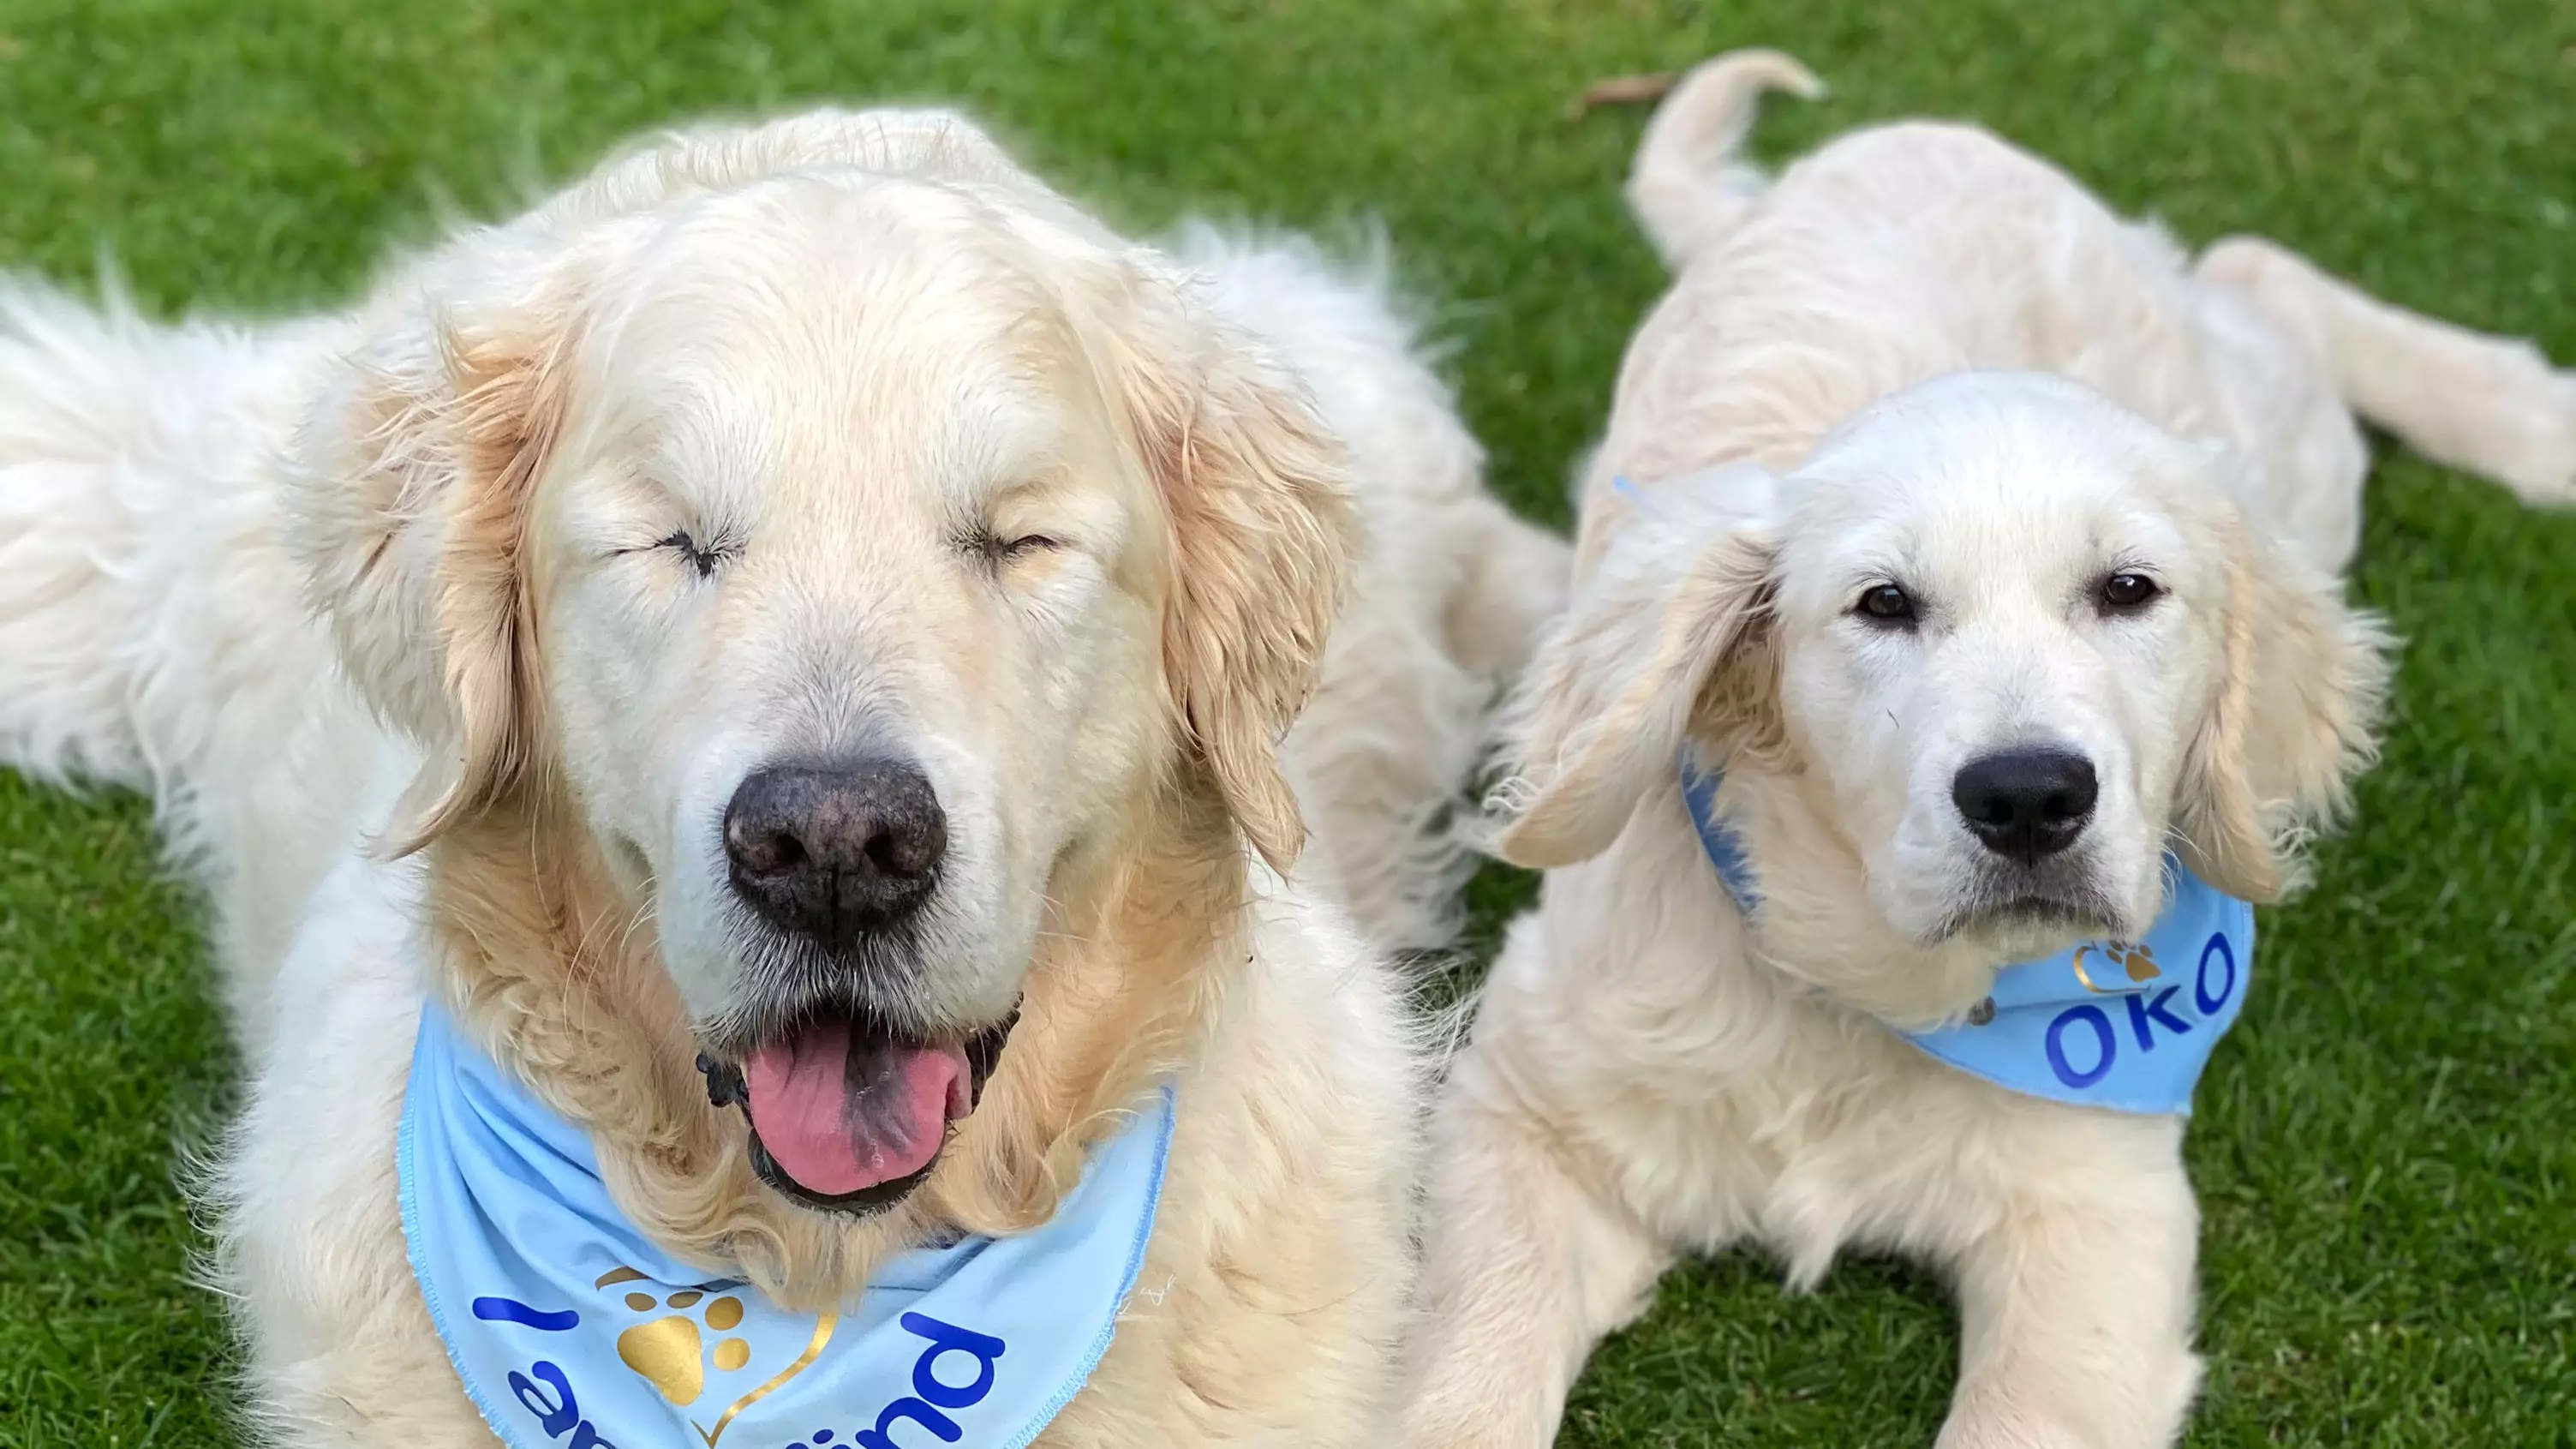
{"x": 1528, "y": 1265}
{"x": 1527, "y": 1269}
{"x": 2076, "y": 1317}
{"x": 2491, "y": 405}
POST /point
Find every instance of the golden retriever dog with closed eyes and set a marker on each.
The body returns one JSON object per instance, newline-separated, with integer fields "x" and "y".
{"x": 1958, "y": 647}
{"x": 785, "y": 650}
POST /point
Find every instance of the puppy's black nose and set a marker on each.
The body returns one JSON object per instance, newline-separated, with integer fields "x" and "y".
{"x": 2026, "y": 803}
{"x": 832, "y": 851}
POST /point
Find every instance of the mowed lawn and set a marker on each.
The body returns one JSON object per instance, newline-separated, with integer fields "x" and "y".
{"x": 2385, "y": 1149}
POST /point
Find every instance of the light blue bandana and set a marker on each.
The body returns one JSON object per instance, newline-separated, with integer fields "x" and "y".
{"x": 2126, "y": 1025}
{"x": 572, "y": 1331}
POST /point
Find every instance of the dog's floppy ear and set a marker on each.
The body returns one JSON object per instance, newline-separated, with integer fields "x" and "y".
{"x": 1670, "y": 636}
{"x": 409, "y": 515}
{"x": 1263, "y": 531}
{"x": 2304, "y": 677}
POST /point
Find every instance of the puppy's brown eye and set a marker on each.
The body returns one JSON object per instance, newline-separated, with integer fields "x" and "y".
{"x": 2128, "y": 591}
{"x": 1886, "y": 604}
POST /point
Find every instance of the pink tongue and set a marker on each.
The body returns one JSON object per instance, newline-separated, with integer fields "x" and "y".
{"x": 839, "y": 1116}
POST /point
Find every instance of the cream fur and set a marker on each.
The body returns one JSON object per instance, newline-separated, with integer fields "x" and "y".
{"x": 1927, "y": 358}
{"x": 375, "y": 606}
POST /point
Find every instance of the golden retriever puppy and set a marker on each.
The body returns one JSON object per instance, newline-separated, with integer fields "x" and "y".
{"x": 1957, "y": 648}
{"x": 732, "y": 725}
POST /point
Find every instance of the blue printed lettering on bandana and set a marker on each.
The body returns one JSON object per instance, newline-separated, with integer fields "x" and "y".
{"x": 571, "y": 1330}
{"x": 2126, "y": 1025}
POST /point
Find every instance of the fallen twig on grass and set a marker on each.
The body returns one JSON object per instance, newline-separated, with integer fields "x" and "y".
{"x": 1620, "y": 90}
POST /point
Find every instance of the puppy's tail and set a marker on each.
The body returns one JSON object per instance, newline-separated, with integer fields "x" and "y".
{"x": 2490, "y": 405}
{"x": 139, "y": 578}
{"x": 1517, "y": 579}
{"x": 1687, "y": 186}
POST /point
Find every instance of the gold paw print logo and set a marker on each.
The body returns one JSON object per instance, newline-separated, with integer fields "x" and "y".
{"x": 691, "y": 1335}
{"x": 671, "y": 1351}
{"x": 2131, "y": 957}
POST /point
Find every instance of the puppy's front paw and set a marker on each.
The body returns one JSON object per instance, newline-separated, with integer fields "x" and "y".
{"x": 1989, "y": 1426}
{"x": 2045, "y": 1410}
{"x": 2536, "y": 446}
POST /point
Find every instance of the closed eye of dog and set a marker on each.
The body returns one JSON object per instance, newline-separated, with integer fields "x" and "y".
{"x": 999, "y": 550}
{"x": 702, "y": 557}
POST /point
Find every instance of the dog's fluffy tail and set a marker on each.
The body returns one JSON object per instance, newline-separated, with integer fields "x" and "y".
{"x": 2491, "y": 405}
{"x": 1687, "y": 186}
{"x": 143, "y": 586}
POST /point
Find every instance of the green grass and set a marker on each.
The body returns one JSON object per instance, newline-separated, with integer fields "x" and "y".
{"x": 2384, "y": 1148}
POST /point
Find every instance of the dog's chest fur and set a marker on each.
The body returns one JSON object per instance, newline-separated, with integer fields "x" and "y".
{"x": 1276, "y": 1283}
{"x": 1771, "y": 1114}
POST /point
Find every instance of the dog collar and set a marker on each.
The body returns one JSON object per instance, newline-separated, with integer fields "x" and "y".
{"x": 2124, "y": 1025}
{"x": 572, "y": 1331}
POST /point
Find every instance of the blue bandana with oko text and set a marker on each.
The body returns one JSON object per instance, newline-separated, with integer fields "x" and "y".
{"x": 2126, "y": 1025}
{"x": 572, "y": 1331}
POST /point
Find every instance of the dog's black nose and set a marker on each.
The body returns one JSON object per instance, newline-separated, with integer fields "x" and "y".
{"x": 832, "y": 851}
{"x": 2026, "y": 803}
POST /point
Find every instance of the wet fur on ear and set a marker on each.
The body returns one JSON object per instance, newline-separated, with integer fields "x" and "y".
{"x": 409, "y": 515}
{"x": 2272, "y": 764}
{"x": 1669, "y": 639}
{"x": 1263, "y": 531}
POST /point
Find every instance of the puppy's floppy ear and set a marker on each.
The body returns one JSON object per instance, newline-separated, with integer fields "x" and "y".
{"x": 2305, "y": 676}
{"x": 1670, "y": 636}
{"x": 409, "y": 514}
{"x": 1263, "y": 532}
